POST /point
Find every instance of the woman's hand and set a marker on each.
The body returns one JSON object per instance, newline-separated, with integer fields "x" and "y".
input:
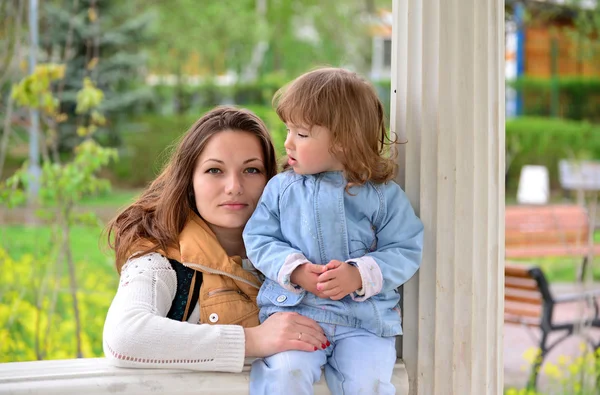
{"x": 283, "y": 332}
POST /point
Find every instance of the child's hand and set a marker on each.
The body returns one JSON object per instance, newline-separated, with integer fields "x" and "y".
{"x": 339, "y": 279}
{"x": 306, "y": 276}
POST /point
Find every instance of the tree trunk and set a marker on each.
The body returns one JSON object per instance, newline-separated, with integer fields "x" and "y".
{"x": 6, "y": 133}
{"x": 39, "y": 355}
{"x": 250, "y": 72}
{"x": 13, "y": 54}
{"x": 178, "y": 107}
{"x": 72, "y": 278}
{"x": 57, "y": 275}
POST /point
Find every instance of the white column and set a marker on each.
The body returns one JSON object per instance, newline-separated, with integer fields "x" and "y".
{"x": 448, "y": 102}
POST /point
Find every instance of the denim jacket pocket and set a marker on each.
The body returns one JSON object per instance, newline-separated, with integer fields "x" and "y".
{"x": 272, "y": 293}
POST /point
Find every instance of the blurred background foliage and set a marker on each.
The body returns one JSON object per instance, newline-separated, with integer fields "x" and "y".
{"x": 178, "y": 57}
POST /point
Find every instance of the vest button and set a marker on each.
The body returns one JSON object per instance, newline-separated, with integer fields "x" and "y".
{"x": 214, "y": 317}
{"x": 281, "y": 298}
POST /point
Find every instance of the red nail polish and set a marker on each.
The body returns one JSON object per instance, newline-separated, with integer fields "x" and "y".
{"x": 323, "y": 346}
{"x": 328, "y": 344}
{"x": 315, "y": 348}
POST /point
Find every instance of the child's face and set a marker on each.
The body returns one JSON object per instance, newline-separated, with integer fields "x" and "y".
{"x": 308, "y": 150}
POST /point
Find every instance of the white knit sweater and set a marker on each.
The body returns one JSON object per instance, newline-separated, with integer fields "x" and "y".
{"x": 137, "y": 333}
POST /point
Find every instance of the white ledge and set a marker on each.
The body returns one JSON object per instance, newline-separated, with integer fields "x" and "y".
{"x": 93, "y": 376}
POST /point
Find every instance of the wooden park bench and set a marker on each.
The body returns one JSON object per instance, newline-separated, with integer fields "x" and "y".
{"x": 548, "y": 231}
{"x": 529, "y": 301}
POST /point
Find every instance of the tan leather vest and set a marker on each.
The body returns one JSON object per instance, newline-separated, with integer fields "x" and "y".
{"x": 228, "y": 292}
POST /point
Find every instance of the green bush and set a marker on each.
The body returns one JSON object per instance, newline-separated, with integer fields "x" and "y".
{"x": 181, "y": 99}
{"x": 545, "y": 141}
{"x": 260, "y": 92}
{"x": 578, "y": 97}
{"x": 150, "y": 139}
{"x": 186, "y": 99}
{"x": 383, "y": 88}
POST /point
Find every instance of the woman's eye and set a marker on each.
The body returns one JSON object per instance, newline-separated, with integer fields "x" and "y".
{"x": 253, "y": 170}
{"x": 213, "y": 171}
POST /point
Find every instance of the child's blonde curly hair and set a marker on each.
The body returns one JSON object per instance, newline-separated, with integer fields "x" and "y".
{"x": 349, "y": 107}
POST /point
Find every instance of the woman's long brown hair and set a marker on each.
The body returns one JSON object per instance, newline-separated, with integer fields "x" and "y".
{"x": 160, "y": 213}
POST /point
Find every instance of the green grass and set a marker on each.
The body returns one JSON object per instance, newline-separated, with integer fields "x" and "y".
{"x": 562, "y": 270}
{"x": 89, "y": 247}
{"x": 85, "y": 242}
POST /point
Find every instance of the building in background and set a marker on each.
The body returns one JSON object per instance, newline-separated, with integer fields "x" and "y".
{"x": 539, "y": 43}
{"x": 381, "y": 58}
{"x": 549, "y": 45}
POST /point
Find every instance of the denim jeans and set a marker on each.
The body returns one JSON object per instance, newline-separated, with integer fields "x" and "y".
{"x": 356, "y": 362}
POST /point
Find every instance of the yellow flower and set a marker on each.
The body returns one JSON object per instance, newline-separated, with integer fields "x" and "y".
{"x": 531, "y": 354}
{"x": 574, "y": 369}
{"x": 552, "y": 371}
{"x": 563, "y": 360}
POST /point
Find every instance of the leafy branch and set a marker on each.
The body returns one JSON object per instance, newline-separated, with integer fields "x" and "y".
{"x": 62, "y": 185}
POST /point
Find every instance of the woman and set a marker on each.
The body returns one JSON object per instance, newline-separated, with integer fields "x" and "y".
{"x": 181, "y": 241}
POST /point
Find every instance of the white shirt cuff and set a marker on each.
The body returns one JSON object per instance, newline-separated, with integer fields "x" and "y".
{"x": 285, "y": 273}
{"x": 372, "y": 279}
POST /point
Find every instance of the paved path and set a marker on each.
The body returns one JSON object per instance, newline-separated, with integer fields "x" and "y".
{"x": 518, "y": 339}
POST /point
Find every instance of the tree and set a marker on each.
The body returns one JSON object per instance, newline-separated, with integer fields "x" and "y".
{"x": 311, "y": 32}
{"x": 586, "y": 35}
{"x": 63, "y": 185}
{"x": 12, "y": 37}
{"x": 100, "y": 39}
{"x": 206, "y": 38}
{"x": 278, "y": 36}
{"x": 63, "y": 182}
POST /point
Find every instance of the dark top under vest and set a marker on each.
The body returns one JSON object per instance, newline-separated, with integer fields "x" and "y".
{"x": 184, "y": 281}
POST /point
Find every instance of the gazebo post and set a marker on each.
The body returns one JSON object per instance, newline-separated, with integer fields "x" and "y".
{"x": 448, "y": 103}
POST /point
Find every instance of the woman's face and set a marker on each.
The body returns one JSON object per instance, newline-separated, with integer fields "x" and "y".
{"x": 229, "y": 178}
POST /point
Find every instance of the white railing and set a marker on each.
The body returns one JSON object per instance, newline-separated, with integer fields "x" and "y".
{"x": 94, "y": 376}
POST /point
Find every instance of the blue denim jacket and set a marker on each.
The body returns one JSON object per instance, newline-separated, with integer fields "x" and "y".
{"x": 312, "y": 218}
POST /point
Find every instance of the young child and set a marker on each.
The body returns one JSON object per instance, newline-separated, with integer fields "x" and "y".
{"x": 335, "y": 238}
